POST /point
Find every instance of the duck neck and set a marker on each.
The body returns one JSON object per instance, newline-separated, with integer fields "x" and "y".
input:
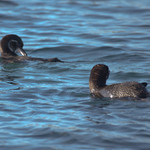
{"x": 97, "y": 81}
{"x": 8, "y": 54}
{"x": 5, "y": 51}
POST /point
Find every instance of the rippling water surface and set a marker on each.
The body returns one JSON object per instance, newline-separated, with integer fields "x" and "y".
{"x": 47, "y": 105}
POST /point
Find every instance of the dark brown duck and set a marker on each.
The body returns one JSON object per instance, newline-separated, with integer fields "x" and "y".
{"x": 11, "y": 44}
{"x": 98, "y": 88}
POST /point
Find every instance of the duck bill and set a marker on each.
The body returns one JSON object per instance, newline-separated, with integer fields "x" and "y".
{"x": 22, "y": 52}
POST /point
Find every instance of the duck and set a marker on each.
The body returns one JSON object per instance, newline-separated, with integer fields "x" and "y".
{"x": 12, "y": 44}
{"x": 98, "y": 88}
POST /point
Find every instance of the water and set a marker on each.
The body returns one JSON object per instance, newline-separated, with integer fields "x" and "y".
{"x": 47, "y": 105}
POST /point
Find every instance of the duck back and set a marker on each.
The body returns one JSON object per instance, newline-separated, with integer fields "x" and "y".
{"x": 126, "y": 89}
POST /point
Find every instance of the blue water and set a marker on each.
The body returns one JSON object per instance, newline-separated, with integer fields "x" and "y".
{"x": 48, "y": 105}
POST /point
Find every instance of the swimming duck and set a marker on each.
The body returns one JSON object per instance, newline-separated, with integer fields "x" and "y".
{"x": 98, "y": 88}
{"x": 11, "y": 44}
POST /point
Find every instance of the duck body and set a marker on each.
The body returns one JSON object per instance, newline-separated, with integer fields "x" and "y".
{"x": 11, "y": 44}
{"x": 126, "y": 89}
{"x": 12, "y": 59}
{"x": 98, "y": 88}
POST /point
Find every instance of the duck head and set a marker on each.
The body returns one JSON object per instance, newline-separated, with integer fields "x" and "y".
{"x": 99, "y": 75}
{"x": 10, "y": 45}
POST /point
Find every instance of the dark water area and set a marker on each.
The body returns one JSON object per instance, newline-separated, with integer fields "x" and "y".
{"x": 48, "y": 105}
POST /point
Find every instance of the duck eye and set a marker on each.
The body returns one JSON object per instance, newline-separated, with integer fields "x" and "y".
{"x": 13, "y": 45}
